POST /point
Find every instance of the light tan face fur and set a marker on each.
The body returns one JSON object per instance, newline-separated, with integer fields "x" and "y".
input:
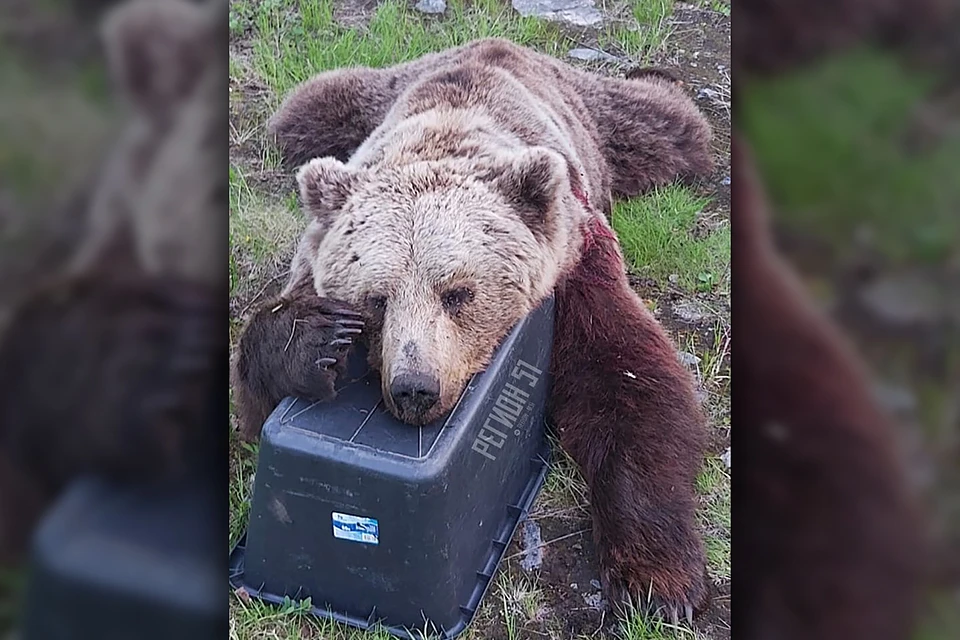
{"x": 441, "y": 262}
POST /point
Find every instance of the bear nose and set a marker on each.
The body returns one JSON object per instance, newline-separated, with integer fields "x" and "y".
{"x": 414, "y": 393}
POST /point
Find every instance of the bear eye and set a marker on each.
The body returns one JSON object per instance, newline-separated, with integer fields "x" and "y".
{"x": 455, "y": 298}
{"x": 377, "y": 303}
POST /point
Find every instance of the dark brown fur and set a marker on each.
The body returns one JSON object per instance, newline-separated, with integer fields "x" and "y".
{"x": 289, "y": 338}
{"x": 108, "y": 373}
{"x": 832, "y": 545}
{"x": 625, "y": 410}
{"x": 648, "y": 131}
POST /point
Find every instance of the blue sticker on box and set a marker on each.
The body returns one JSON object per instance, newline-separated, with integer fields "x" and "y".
{"x": 356, "y": 528}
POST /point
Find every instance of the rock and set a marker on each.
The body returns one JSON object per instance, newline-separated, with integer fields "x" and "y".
{"x": 904, "y": 300}
{"x": 580, "y": 13}
{"x": 726, "y": 181}
{"x": 895, "y": 399}
{"x": 594, "y": 600}
{"x": 689, "y": 311}
{"x": 532, "y": 545}
{"x": 726, "y": 457}
{"x": 431, "y": 6}
{"x": 688, "y": 359}
{"x": 592, "y": 55}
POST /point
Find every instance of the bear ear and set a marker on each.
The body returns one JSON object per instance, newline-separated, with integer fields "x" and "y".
{"x": 157, "y": 51}
{"x": 530, "y": 181}
{"x": 325, "y": 185}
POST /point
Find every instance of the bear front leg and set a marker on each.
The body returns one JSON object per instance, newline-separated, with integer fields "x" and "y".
{"x": 296, "y": 345}
{"x": 626, "y": 412}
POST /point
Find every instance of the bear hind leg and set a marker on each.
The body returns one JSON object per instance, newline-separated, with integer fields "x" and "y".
{"x": 651, "y": 133}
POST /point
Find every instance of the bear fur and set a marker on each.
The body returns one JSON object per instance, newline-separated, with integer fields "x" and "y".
{"x": 448, "y": 197}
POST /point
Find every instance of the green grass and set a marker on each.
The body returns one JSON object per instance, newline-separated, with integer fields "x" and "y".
{"x": 658, "y": 236}
{"x": 720, "y": 6}
{"x": 263, "y": 231}
{"x": 292, "y": 46}
{"x": 713, "y": 486}
{"x": 637, "y": 627}
{"x": 642, "y": 33}
{"x": 829, "y": 145}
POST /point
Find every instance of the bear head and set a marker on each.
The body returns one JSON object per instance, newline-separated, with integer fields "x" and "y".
{"x": 444, "y": 258}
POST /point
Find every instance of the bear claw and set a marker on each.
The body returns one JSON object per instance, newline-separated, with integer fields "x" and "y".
{"x": 340, "y": 342}
{"x": 649, "y": 604}
{"x": 323, "y": 363}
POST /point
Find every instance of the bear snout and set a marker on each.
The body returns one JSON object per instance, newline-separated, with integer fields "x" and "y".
{"x": 414, "y": 394}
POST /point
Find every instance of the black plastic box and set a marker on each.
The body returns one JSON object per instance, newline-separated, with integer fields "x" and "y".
{"x": 381, "y": 522}
{"x": 114, "y": 562}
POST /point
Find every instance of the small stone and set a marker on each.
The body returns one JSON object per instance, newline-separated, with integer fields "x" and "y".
{"x": 580, "y": 13}
{"x": 688, "y": 359}
{"x": 592, "y": 55}
{"x": 573, "y": 585}
{"x": 689, "y": 311}
{"x": 707, "y": 93}
{"x": 897, "y": 400}
{"x": 904, "y": 300}
{"x": 596, "y": 584}
{"x": 726, "y": 457}
{"x": 594, "y": 600}
{"x": 532, "y": 545}
{"x": 673, "y": 278}
{"x": 726, "y": 181}
{"x": 431, "y": 6}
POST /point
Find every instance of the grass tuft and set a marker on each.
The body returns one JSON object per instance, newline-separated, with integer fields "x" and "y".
{"x": 642, "y": 34}
{"x": 263, "y": 233}
{"x": 657, "y": 233}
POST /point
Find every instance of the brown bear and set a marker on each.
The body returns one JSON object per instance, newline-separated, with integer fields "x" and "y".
{"x": 448, "y": 197}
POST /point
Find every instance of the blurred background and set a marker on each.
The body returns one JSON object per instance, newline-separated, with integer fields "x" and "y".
{"x": 113, "y": 353}
{"x": 852, "y": 111}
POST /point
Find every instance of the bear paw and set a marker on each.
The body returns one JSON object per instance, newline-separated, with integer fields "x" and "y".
{"x": 320, "y": 342}
{"x": 653, "y": 586}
